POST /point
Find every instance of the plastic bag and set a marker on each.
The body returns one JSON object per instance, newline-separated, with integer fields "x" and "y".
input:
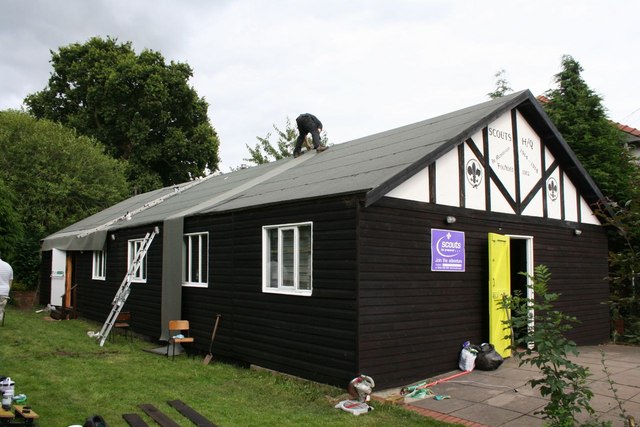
{"x": 467, "y": 357}
{"x": 488, "y": 358}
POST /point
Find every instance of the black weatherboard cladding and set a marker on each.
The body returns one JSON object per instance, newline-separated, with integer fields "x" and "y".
{"x": 95, "y": 296}
{"x": 313, "y": 337}
{"x": 413, "y": 321}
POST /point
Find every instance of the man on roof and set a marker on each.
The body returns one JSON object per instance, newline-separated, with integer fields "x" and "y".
{"x": 308, "y": 123}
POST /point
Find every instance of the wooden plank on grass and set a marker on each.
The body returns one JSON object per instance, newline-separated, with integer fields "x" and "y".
{"x": 158, "y": 416}
{"x": 193, "y": 415}
{"x": 134, "y": 420}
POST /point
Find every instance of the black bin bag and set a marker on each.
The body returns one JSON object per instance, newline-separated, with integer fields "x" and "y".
{"x": 488, "y": 358}
{"x": 95, "y": 421}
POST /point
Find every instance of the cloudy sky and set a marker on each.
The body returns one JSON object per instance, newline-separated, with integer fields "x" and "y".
{"x": 362, "y": 66}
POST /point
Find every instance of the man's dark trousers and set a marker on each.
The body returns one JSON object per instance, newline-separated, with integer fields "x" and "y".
{"x": 306, "y": 125}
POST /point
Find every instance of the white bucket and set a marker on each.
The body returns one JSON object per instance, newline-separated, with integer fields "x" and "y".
{"x": 6, "y": 385}
{"x": 7, "y": 399}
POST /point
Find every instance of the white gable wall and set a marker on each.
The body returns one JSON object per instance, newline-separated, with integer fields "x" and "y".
{"x": 570, "y": 200}
{"x": 554, "y": 201}
{"x": 415, "y": 188}
{"x": 474, "y": 176}
{"x": 498, "y": 201}
{"x": 501, "y": 158}
{"x": 588, "y": 216}
{"x": 529, "y": 157}
{"x": 515, "y": 157}
{"x": 447, "y": 182}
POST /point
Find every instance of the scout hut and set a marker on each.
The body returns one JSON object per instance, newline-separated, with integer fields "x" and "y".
{"x": 380, "y": 256}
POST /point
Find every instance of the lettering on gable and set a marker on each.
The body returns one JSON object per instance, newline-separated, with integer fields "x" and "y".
{"x": 503, "y": 160}
{"x": 527, "y": 151}
{"x": 500, "y": 134}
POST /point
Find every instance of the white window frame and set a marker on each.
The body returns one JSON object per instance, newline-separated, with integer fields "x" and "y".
{"x": 203, "y": 260}
{"x": 133, "y": 246}
{"x": 99, "y": 267}
{"x": 268, "y": 264}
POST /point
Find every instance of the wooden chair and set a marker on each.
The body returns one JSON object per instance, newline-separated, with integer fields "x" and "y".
{"x": 178, "y": 327}
{"x": 123, "y": 324}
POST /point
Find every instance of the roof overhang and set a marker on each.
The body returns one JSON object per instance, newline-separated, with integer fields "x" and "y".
{"x": 74, "y": 241}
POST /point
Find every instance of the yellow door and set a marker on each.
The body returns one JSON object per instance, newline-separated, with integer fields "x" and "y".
{"x": 499, "y": 285}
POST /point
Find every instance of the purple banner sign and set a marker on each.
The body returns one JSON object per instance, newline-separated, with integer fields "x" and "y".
{"x": 447, "y": 250}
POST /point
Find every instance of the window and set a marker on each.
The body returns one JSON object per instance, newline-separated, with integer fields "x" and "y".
{"x": 99, "y": 271}
{"x": 195, "y": 259}
{"x": 287, "y": 259}
{"x": 140, "y": 275}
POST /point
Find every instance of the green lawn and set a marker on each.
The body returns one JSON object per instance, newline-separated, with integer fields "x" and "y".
{"x": 68, "y": 377}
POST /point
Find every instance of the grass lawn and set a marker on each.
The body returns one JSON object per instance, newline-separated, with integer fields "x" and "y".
{"x": 68, "y": 377}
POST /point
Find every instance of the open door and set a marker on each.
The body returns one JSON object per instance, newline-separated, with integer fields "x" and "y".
{"x": 68, "y": 282}
{"x": 58, "y": 276}
{"x": 499, "y": 286}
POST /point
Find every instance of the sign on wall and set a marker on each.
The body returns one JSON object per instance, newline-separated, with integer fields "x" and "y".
{"x": 447, "y": 250}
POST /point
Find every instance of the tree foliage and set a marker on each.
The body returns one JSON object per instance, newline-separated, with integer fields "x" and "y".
{"x": 11, "y": 228}
{"x": 562, "y": 381}
{"x": 265, "y": 151}
{"x": 139, "y": 107}
{"x": 579, "y": 115}
{"x": 502, "y": 85}
{"x": 57, "y": 178}
{"x": 623, "y": 221}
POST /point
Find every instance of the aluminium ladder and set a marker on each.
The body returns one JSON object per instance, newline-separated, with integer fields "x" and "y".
{"x": 125, "y": 288}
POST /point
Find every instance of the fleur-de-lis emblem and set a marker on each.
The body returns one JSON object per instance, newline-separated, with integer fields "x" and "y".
{"x": 474, "y": 173}
{"x": 552, "y": 186}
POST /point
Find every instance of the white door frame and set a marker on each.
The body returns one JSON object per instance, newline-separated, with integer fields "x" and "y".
{"x": 530, "y": 271}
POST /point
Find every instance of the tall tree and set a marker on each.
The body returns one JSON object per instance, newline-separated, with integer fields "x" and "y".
{"x": 265, "y": 151}
{"x": 142, "y": 109}
{"x": 579, "y": 115}
{"x": 60, "y": 178}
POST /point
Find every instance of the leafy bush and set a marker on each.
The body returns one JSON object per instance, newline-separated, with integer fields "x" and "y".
{"x": 545, "y": 347}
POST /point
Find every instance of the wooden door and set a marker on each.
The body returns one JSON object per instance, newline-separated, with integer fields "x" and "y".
{"x": 499, "y": 286}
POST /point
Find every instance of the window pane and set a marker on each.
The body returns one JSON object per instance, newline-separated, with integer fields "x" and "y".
{"x": 140, "y": 270}
{"x": 185, "y": 258}
{"x": 304, "y": 281}
{"x": 204, "y": 258}
{"x": 134, "y": 247}
{"x": 101, "y": 264}
{"x": 272, "y": 258}
{"x": 287, "y": 258}
{"x": 195, "y": 259}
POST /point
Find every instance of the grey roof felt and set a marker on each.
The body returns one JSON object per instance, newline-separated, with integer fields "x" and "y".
{"x": 371, "y": 165}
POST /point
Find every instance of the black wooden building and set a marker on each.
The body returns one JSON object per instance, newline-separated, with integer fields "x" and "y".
{"x": 372, "y": 257}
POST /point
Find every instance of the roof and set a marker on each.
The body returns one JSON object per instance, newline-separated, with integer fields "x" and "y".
{"x": 632, "y": 135}
{"x": 371, "y": 165}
